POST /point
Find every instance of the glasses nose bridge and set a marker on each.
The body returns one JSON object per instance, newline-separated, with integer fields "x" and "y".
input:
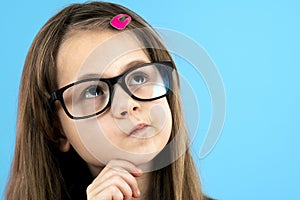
{"x": 117, "y": 80}
{"x": 113, "y": 81}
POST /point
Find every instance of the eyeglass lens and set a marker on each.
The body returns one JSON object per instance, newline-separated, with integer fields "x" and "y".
{"x": 90, "y": 97}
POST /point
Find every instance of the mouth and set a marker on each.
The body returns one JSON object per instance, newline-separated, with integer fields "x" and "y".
{"x": 139, "y": 130}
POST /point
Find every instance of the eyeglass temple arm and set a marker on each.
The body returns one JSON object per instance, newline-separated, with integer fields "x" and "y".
{"x": 51, "y": 100}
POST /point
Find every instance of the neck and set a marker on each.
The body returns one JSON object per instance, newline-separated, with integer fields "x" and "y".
{"x": 143, "y": 184}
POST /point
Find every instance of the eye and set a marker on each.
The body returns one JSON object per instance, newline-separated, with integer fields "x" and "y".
{"x": 92, "y": 92}
{"x": 138, "y": 78}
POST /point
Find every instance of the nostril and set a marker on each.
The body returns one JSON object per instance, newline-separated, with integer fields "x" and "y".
{"x": 123, "y": 113}
{"x": 135, "y": 108}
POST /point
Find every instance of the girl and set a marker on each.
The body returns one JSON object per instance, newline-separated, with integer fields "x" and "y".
{"x": 113, "y": 133}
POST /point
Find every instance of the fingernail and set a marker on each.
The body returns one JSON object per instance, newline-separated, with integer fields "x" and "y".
{"x": 138, "y": 192}
{"x": 139, "y": 170}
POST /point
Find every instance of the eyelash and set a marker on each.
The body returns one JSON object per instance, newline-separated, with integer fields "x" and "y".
{"x": 85, "y": 91}
{"x": 145, "y": 76}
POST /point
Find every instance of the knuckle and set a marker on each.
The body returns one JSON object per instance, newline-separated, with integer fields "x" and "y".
{"x": 116, "y": 178}
{"x": 114, "y": 189}
{"x": 131, "y": 179}
{"x": 116, "y": 193}
{"x": 128, "y": 195}
{"x": 89, "y": 189}
{"x": 112, "y": 163}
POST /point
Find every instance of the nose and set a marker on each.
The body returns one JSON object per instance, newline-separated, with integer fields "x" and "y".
{"x": 122, "y": 104}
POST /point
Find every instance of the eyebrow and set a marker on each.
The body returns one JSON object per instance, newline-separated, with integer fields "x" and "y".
{"x": 124, "y": 69}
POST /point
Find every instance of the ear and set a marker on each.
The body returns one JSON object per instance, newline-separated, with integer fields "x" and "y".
{"x": 64, "y": 144}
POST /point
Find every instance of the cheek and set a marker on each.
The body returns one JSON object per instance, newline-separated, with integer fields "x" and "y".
{"x": 75, "y": 134}
{"x": 108, "y": 128}
{"x": 160, "y": 115}
{"x": 98, "y": 140}
{"x": 97, "y": 137}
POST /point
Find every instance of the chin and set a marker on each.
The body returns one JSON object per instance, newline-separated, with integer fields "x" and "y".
{"x": 136, "y": 157}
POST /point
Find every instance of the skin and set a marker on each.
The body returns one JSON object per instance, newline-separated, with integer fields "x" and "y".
{"x": 117, "y": 173}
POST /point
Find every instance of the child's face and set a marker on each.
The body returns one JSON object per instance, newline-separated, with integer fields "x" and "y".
{"x": 110, "y": 135}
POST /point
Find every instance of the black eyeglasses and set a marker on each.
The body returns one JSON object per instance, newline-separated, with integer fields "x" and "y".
{"x": 90, "y": 97}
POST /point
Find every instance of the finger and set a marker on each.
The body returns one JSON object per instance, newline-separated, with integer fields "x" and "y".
{"x": 122, "y": 165}
{"x": 115, "y": 180}
{"x": 124, "y": 169}
{"x": 113, "y": 177}
{"x": 111, "y": 192}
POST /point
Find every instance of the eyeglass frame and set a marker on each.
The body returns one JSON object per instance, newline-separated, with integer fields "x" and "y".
{"x": 57, "y": 95}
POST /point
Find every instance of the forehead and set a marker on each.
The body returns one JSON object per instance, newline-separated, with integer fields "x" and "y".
{"x": 91, "y": 52}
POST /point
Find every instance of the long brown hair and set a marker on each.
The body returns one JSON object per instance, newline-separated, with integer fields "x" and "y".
{"x": 36, "y": 172}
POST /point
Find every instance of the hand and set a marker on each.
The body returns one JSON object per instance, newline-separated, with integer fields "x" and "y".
{"x": 115, "y": 181}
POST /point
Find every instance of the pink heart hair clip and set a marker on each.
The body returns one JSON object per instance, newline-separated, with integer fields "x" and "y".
{"x": 120, "y": 21}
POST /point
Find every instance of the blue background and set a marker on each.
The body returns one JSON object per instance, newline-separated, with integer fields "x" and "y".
{"x": 255, "y": 46}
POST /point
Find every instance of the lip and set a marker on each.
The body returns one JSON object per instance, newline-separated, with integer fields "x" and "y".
{"x": 138, "y": 129}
